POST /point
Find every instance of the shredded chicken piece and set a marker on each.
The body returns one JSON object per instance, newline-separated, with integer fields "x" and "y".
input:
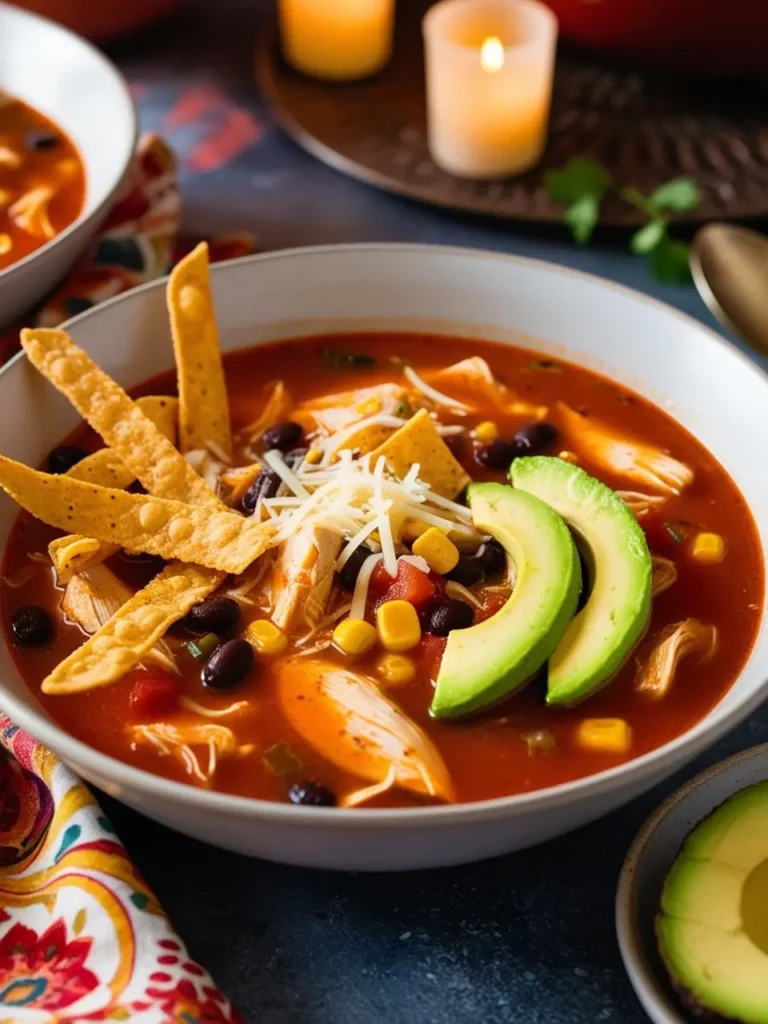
{"x": 277, "y": 403}
{"x": 663, "y": 574}
{"x": 302, "y": 577}
{"x": 333, "y": 413}
{"x": 347, "y": 719}
{"x": 640, "y": 504}
{"x": 656, "y": 675}
{"x": 179, "y": 740}
{"x": 30, "y": 212}
{"x": 642, "y": 463}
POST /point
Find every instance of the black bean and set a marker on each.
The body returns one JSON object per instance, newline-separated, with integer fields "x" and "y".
{"x": 214, "y": 615}
{"x": 41, "y": 140}
{"x": 446, "y": 614}
{"x": 467, "y": 571}
{"x": 65, "y": 457}
{"x": 535, "y": 438}
{"x": 351, "y": 569}
{"x": 284, "y": 435}
{"x": 492, "y": 557}
{"x": 311, "y": 794}
{"x": 228, "y": 665}
{"x": 32, "y": 626}
{"x": 496, "y": 455}
{"x": 266, "y": 485}
{"x": 295, "y": 457}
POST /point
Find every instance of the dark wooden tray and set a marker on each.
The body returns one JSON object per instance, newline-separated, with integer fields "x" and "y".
{"x": 645, "y": 126}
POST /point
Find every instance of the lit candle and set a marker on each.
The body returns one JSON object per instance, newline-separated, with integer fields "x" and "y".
{"x": 489, "y": 84}
{"x": 337, "y": 39}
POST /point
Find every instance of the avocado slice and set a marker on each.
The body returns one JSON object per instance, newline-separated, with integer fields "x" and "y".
{"x": 486, "y": 662}
{"x": 712, "y": 929}
{"x": 604, "y": 633}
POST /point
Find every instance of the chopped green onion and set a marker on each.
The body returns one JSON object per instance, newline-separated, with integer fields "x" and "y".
{"x": 678, "y": 530}
{"x": 403, "y": 409}
{"x": 335, "y": 359}
{"x": 202, "y": 648}
{"x": 281, "y": 760}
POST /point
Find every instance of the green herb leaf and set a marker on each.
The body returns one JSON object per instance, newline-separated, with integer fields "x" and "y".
{"x": 680, "y": 194}
{"x": 640, "y": 202}
{"x": 336, "y": 359}
{"x": 202, "y": 648}
{"x": 403, "y": 409}
{"x": 648, "y": 237}
{"x": 581, "y": 217}
{"x": 581, "y": 176}
{"x": 673, "y": 533}
{"x": 669, "y": 262}
{"x": 281, "y": 760}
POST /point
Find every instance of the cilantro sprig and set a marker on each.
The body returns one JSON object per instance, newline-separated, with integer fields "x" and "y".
{"x": 582, "y": 185}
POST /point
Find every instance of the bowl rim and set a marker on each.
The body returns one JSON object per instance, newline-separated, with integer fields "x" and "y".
{"x": 643, "y": 978}
{"x": 97, "y": 214}
{"x": 713, "y": 726}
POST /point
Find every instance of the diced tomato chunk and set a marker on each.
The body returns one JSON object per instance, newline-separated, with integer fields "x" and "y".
{"x": 154, "y": 693}
{"x": 430, "y": 652}
{"x": 410, "y": 584}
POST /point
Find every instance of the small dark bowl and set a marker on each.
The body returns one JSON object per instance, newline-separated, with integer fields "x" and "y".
{"x": 647, "y": 864}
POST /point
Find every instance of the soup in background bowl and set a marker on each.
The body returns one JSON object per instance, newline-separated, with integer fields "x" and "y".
{"x": 446, "y": 579}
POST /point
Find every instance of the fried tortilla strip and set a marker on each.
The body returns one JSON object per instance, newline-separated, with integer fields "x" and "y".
{"x": 213, "y": 537}
{"x": 203, "y": 405}
{"x": 105, "y": 468}
{"x": 133, "y": 630}
{"x": 419, "y": 441}
{"x": 144, "y": 449}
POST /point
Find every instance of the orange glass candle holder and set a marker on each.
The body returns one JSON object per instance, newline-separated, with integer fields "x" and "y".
{"x": 489, "y": 66}
{"x": 337, "y": 40}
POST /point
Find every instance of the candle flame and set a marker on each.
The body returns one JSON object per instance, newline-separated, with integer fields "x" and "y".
{"x": 492, "y": 55}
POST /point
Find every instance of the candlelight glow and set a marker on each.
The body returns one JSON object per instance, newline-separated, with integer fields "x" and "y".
{"x": 492, "y": 54}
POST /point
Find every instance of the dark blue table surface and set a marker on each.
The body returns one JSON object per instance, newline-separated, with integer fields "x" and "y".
{"x": 526, "y": 938}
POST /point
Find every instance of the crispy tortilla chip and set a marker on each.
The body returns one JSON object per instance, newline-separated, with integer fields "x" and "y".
{"x": 105, "y": 468}
{"x": 240, "y": 480}
{"x": 144, "y": 449}
{"x": 133, "y": 630}
{"x": 203, "y": 404}
{"x": 217, "y": 538}
{"x": 419, "y": 441}
{"x": 368, "y": 438}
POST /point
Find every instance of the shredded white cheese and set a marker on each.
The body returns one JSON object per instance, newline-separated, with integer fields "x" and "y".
{"x": 437, "y": 396}
{"x": 275, "y": 461}
{"x": 360, "y": 596}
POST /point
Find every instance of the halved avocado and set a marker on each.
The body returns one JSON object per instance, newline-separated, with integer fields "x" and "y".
{"x": 604, "y": 633}
{"x": 486, "y": 662}
{"x": 713, "y": 926}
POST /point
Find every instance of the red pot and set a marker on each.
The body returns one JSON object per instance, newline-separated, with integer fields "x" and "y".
{"x": 701, "y": 35}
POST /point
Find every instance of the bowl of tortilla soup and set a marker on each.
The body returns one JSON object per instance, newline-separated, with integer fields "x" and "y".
{"x": 67, "y": 136}
{"x": 398, "y": 574}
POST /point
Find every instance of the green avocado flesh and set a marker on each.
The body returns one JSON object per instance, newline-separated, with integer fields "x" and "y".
{"x": 713, "y": 926}
{"x": 486, "y": 662}
{"x": 602, "y": 636}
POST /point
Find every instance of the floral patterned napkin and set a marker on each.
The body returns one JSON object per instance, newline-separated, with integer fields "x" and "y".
{"x": 82, "y": 938}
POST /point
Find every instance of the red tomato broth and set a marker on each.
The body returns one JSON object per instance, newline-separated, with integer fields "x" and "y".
{"x": 487, "y": 756}
{"x": 24, "y": 167}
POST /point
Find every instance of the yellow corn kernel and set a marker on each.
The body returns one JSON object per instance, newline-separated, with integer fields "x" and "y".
{"x": 437, "y": 549}
{"x": 413, "y": 529}
{"x": 266, "y": 638}
{"x": 708, "y": 548}
{"x": 609, "y": 735}
{"x": 398, "y": 626}
{"x": 369, "y": 406}
{"x": 395, "y": 669}
{"x": 567, "y": 456}
{"x": 5, "y": 243}
{"x": 354, "y": 637}
{"x": 486, "y": 432}
{"x": 313, "y": 456}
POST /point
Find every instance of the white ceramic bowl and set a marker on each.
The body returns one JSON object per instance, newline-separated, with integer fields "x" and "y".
{"x": 650, "y": 860}
{"x": 69, "y": 81}
{"x": 700, "y": 378}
